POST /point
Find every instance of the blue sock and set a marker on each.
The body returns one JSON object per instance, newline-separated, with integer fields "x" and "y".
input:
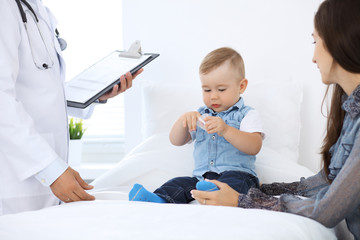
{"x": 206, "y": 186}
{"x": 139, "y": 193}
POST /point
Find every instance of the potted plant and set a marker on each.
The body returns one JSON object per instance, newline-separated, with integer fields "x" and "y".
{"x": 76, "y": 131}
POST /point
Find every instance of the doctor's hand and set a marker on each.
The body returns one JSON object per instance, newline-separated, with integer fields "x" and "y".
{"x": 225, "y": 196}
{"x": 125, "y": 83}
{"x": 70, "y": 187}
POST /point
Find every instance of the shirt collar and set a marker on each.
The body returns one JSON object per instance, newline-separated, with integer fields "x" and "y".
{"x": 238, "y": 105}
{"x": 351, "y": 104}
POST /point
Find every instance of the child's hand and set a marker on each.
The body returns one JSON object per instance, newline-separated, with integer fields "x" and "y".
{"x": 215, "y": 125}
{"x": 189, "y": 120}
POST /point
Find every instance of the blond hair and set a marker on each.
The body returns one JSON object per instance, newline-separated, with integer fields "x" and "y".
{"x": 219, "y": 56}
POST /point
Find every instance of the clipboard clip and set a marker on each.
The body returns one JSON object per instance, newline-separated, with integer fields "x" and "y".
{"x": 133, "y": 52}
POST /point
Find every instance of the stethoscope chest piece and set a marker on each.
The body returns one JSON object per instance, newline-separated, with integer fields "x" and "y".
{"x": 63, "y": 44}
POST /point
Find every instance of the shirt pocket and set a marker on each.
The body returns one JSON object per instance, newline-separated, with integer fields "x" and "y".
{"x": 200, "y": 135}
{"x": 231, "y": 123}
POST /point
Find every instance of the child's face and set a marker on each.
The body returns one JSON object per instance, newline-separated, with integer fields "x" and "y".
{"x": 222, "y": 87}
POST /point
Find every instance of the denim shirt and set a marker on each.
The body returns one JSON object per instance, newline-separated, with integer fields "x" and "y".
{"x": 341, "y": 149}
{"x": 214, "y": 153}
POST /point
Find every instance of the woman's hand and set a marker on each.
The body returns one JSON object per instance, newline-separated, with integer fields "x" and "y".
{"x": 225, "y": 196}
{"x": 125, "y": 83}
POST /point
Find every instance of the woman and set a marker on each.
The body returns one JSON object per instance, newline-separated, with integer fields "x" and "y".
{"x": 33, "y": 123}
{"x": 334, "y": 193}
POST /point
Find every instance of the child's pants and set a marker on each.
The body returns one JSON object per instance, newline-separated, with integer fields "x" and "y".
{"x": 177, "y": 190}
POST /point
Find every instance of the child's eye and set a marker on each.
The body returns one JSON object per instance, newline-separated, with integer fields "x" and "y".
{"x": 313, "y": 42}
{"x": 222, "y": 89}
{"x": 207, "y": 90}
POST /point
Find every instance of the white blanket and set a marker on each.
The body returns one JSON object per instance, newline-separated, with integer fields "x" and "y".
{"x": 136, "y": 220}
{"x": 111, "y": 216}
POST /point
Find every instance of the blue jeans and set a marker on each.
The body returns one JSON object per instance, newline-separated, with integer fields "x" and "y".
{"x": 177, "y": 190}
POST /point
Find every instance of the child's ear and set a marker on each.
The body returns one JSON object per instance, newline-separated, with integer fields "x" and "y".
{"x": 243, "y": 85}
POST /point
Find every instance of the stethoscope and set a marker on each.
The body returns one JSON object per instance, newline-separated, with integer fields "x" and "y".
{"x": 41, "y": 64}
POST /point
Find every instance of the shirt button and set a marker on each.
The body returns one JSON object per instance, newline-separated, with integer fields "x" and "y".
{"x": 212, "y": 162}
{"x": 213, "y": 137}
{"x": 43, "y": 180}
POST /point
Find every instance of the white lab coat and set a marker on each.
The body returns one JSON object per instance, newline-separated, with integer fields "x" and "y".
{"x": 33, "y": 122}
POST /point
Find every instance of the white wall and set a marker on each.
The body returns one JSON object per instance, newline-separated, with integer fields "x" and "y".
{"x": 274, "y": 38}
{"x": 92, "y": 30}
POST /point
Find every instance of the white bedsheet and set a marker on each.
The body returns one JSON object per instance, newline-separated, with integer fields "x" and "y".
{"x": 111, "y": 216}
{"x": 103, "y": 219}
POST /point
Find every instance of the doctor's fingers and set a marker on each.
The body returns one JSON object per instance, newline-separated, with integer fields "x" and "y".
{"x": 79, "y": 192}
{"x": 81, "y": 181}
{"x": 123, "y": 86}
{"x": 65, "y": 198}
{"x": 116, "y": 90}
{"x": 72, "y": 197}
{"x": 80, "y": 195}
{"x": 125, "y": 82}
{"x": 129, "y": 78}
{"x": 70, "y": 183}
{"x": 137, "y": 73}
{"x": 76, "y": 193}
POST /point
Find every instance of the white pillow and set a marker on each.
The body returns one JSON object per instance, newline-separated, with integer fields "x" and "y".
{"x": 163, "y": 104}
{"x": 277, "y": 101}
{"x": 279, "y": 105}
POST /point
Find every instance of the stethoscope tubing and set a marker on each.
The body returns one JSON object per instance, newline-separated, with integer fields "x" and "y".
{"x": 22, "y": 12}
{"x": 61, "y": 41}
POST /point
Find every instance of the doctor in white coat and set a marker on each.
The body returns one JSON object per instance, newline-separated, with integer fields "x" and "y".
{"x": 33, "y": 115}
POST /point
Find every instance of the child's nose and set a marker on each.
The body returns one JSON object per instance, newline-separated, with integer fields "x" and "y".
{"x": 214, "y": 95}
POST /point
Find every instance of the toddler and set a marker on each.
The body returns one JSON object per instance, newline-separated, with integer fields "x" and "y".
{"x": 226, "y": 140}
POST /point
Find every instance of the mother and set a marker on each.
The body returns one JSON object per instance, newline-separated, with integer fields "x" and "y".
{"x": 334, "y": 193}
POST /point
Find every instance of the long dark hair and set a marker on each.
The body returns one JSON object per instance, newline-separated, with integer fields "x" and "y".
{"x": 338, "y": 25}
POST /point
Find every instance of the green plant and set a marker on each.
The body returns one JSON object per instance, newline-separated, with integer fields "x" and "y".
{"x": 76, "y": 130}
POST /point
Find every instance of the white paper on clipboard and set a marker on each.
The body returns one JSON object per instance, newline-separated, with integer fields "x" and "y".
{"x": 89, "y": 85}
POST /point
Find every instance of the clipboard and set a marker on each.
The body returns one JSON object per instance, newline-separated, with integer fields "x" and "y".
{"x": 98, "y": 79}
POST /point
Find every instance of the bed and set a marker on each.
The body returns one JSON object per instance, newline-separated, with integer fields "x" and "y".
{"x": 155, "y": 160}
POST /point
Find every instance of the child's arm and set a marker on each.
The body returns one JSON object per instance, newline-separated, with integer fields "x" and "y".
{"x": 179, "y": 134}
{"x": 249, "y": 143}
